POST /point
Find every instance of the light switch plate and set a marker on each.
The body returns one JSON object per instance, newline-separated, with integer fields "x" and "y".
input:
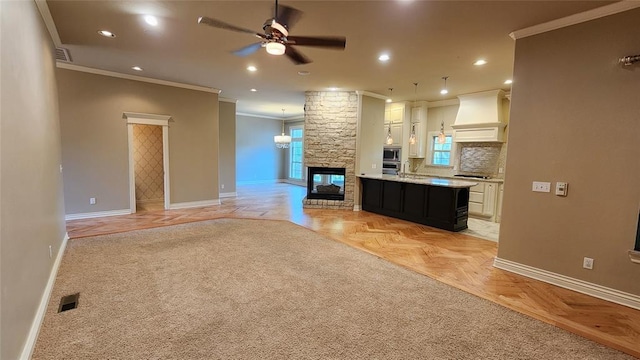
{"x": 561, "y": 188}
{"x": 540, "y": 186}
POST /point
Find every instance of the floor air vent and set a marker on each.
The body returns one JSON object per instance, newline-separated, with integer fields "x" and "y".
{"x": 68, "y": 302}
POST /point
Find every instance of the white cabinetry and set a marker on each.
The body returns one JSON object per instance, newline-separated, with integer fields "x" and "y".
{"x": 483, "y": 200}
{"x": 419, "y": 128}
{"x": 394, "y": 116}
{"x": 396, "y": 134}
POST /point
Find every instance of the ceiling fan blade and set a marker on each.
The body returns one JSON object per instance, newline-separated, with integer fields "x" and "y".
{"x": 248, "y": 50}
{"x": 288, "y": 16}
{"x": 296, "y": 56}
{"x": 337, "y": 42}
{"x": 223, "y": 25}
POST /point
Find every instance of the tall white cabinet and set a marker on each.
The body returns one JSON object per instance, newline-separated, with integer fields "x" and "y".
{"x": 418, "y": 127}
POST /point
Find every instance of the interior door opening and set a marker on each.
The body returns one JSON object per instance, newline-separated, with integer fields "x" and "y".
{"x": 148, "y": 167}
{"x": 148, "y": 142}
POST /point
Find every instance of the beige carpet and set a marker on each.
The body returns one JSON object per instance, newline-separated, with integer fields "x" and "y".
{"x": 235, "y": 289}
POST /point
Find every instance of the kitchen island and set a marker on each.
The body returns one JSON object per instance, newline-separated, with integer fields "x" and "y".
{"x": 441, "y": 203}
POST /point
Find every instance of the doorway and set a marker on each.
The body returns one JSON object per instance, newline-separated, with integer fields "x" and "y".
{"x": 148, "y": 137}
{"x": 148, "y": 167}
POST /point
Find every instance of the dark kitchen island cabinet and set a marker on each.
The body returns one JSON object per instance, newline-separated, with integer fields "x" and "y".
{"x": 439, "y": 203}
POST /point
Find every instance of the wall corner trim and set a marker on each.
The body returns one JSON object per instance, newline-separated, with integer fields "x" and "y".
{"x": 30, "y": 343}
{"x": 357, "y": 208}
{"x": 574, "y": 19}
{"x": 97, "y": 214}
{"x": 194, "y": 204}
{"x": 581, "y": 286}
{"x": 43, "y": 8}
{"x": 73, "y": 67}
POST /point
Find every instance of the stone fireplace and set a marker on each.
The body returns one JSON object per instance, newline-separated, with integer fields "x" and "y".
{"x": 330, "y": 128}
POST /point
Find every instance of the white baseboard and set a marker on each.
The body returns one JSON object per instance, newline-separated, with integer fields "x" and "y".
{"x": 229, "y": 194}
{"x": 357, "y": 208}
{"x": 254, "y": 182}
{"x": 30, "y": 343}
{"x": 97, "y": 214}
{"x": 581, "y": 286}
{"x": 149, "y": 201}
{"x": 194, "y": 204}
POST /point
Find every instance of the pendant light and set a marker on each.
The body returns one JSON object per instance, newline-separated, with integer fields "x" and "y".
{"x": 282, "y": 141}
{"x": 412, "y": 136}
{"x": 444, "y": 90}
{"x": 442, "y": 138}
{"x": 389, "y": 137}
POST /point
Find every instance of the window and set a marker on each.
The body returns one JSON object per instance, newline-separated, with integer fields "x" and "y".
{"x": 295, "y": 153}
{"x": 441, "y": 153}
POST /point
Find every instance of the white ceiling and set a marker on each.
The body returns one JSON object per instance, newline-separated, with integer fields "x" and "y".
{"x": 425, "y": 39}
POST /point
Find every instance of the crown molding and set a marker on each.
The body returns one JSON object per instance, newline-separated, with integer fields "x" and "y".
{"x": 370, "y": 94}
{"x": 439, "y": 103}
{"x": 43, "y": 8}
{"x": 290, "y": 118}
{"x": 588, "y": 15}
{"x": 72, "y": 67}
{"x": 229, "y": 100}
{"x": 259, "y": 116}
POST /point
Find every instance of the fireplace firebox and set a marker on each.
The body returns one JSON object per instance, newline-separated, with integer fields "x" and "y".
{"x": 325, "y": 183}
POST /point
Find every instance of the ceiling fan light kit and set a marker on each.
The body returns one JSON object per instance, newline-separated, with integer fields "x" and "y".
{"x": 275, "y": 48}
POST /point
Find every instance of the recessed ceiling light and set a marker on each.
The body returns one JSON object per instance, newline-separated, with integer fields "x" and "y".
{"x": 137, "y": 68}
{"x": 480, "y": 62}
{"x": 252, "y": 68}
{"x": 384, "y": 57}
{"x": 444, "y": 91}
{"x": 508, "y": 82}
{"x": 106, "y": 33}
{"x": 304, "y": 72}
{"x": 253, "y": 90}
{"x": 151, "y": 20}
{"x": 388, "y": 100}
{"x": 333, "y": 89}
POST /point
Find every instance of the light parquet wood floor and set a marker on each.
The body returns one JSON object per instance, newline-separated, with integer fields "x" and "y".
{"x": 456, "y": 259}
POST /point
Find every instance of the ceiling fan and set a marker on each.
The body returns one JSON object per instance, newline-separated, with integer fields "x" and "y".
{"x": 276, "y": 39}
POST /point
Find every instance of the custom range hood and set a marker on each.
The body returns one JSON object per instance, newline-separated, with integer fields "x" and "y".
{"x": 480, "y": 118}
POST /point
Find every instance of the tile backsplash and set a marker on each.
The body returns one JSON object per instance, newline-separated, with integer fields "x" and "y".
{"x": 480, "y": 159}
{"x": 471, "y": 158}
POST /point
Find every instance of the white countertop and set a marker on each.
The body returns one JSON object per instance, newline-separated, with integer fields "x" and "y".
{"x": 453, "y": 183}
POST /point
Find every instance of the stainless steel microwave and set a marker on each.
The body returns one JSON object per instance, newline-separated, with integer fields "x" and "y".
{"x": 391, "y": 153}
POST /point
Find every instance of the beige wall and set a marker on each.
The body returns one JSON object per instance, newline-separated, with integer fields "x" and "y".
{"x": 94, "y": 139}
{"x": 370, "y": 136}
{"x": 227, "y": 156}
{"x": 575, "y": 118}
{"x": 148, "y": 162}
{"x": 32, "y": 207}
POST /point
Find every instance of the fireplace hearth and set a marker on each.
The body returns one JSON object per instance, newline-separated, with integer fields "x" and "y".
{"x": 325, "y": 183}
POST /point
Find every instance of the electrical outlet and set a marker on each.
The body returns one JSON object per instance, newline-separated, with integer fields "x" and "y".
{"x": 587, "y": 263}
{"x": 539, "y": 186}
{"x": 500, "y": 170}
{"x": 222, "y": 186}
{"x": 92, "y": 201}
{"x": 373, "y": 166}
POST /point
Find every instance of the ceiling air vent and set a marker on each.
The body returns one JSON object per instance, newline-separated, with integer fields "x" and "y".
{"x": 62, "y": 54}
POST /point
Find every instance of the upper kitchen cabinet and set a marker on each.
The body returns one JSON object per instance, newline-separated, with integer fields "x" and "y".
{"x": 396, "y": 133}
{"x": 418, "y": 130}
{"x": 394, "y": 117}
